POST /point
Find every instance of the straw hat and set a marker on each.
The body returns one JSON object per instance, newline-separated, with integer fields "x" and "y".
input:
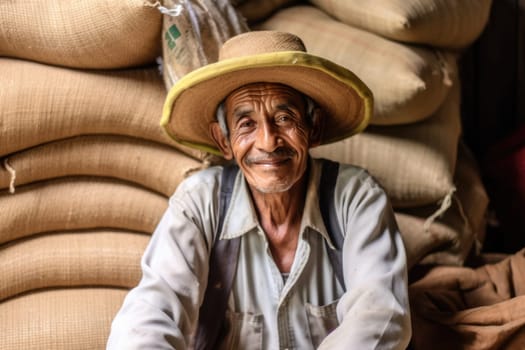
{"x": 272, "y": 57}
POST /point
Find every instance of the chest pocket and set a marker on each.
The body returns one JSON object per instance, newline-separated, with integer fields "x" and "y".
{"x": 321, "y": 320}
{"x": 243, "y": 331}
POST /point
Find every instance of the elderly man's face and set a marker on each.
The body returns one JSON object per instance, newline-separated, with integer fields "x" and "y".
{"x": 269, "y": 135}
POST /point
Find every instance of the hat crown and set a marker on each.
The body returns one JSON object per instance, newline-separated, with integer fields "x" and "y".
{"x": 260, "y": 42}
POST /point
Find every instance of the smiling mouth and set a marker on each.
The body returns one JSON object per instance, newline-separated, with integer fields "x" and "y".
{"x": 271, "y": 162}
{"x": 276, "y": 158}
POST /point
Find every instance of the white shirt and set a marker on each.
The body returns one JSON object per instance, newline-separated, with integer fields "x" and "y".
{"x": 263, "y": 311}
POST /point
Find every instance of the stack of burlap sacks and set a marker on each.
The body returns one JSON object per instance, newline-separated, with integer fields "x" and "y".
{"x": 86, "y": 171}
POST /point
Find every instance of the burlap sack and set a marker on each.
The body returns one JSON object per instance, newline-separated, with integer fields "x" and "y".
{"x": 256, "y": 10}
{"x": 150, "y": 164}
{"x": 449, "y": 237}
{"x": 81, "y": 34}
{"x": 415, "y": 163}
{"x": 193, "y": 32}
{"x": 409, "y": 83}
{"x": 42, "y": 103}
{"x": 78, "y": 203}
{"x": 470, "y": 308}
{"x": 61, "y": 319}
{"x": 444, "y": 23}
{"x": 71, "y": 259}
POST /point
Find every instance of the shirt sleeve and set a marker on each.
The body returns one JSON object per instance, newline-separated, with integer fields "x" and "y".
{"x": 162, "y": 310}
{"x": 374, "y": 311}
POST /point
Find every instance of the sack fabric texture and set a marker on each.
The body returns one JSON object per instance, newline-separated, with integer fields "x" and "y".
{"x": 152, "y": 165}
{"x": 93, "y": 258}
{"x": 78, "y": 203}
{"x": 42, "y": 103}
{"x": 440, "y": 23}
{"x": 470, "y": 308}
{"x": 95, "y": 34}
{"x": 59, "y": 319}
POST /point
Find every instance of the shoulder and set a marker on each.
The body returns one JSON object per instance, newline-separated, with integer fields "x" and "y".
{"x": 350, "y": 175}
{"x": 201, "y": 188}
{"x": 206, "y": 178}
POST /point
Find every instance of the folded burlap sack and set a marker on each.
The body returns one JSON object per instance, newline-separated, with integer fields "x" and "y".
{"x": 193, "y": 32}
{"x": 470, "y": 308}
{"x": 415, "y": 163}
{"x": 443, "y": 23}
{"x": 78, "y": 203}
{"x": 42, "y": 103}
{"x": 71, "y": 259}
{"x": 59, "y": 319}
{"x": 409, "y": 83}
{"x": 150, "y": 164}
{"x": 81, "y": 34}
{"x": 449, "y": 236}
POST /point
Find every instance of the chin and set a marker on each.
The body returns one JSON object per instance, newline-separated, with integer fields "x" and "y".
{"x": 274, "y": 186}
{"x": 273, "y": 189}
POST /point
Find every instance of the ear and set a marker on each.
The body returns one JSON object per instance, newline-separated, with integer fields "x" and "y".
{"x": 221, "y": 141}
{"x": 316, "y": 132}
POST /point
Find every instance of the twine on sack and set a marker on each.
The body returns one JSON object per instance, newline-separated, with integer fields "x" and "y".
{"x": 12, "y": 172}
{"x": 445, "y": 204}
{"x": 468, "y": 227}
{"x": 174, "y": 12}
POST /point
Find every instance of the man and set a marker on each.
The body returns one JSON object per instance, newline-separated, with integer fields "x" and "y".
{"x": 263, "y": 105}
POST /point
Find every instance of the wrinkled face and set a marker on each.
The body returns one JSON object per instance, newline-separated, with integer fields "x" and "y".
{"x": 269, "y": 135}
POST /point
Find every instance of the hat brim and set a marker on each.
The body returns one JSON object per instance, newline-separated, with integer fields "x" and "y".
{"x": 191, "y": 103}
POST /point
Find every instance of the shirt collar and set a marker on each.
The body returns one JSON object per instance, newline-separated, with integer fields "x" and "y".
{"x": 236, "y": 225}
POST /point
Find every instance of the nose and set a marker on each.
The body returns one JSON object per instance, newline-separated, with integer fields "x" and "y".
{"x": 267, "y": 138}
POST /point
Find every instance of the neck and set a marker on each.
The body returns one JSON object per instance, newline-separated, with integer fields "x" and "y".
{"x": 282, "y": 208}
{"x": 280, "y": 216}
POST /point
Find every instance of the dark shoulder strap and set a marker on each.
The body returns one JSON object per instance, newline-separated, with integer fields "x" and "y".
{"x": 327, "y": 206}
{"x": 223, "y": 264}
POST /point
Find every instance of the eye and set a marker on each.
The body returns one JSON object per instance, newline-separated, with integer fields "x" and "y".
{"x": 284, "y": 118}
{"x": 245, "y": 123}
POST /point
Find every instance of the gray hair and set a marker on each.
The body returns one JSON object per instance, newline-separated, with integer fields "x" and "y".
{"x": 221, "y": 118}
{"x": 221, "y": 114}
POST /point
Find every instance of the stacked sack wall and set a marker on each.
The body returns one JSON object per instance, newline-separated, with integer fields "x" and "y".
{"x": 85, "y": 169}
{"x": 409, "y": 82}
